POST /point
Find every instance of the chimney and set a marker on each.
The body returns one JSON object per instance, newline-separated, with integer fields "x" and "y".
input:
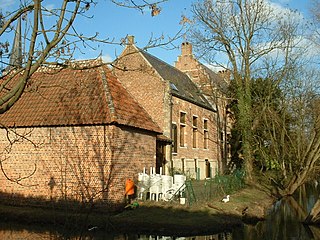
{"x": 130, "y": 40}
{"x": 16, "y": 52}
{"x": 186, "y": 49}
{"x": 225, "y": 74}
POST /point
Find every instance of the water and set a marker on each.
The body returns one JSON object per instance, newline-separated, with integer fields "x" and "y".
{"x": 284, "y": 222}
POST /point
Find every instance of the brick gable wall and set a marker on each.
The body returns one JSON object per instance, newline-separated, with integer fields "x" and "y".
{"x": 188, "y": 64}
{"x": 80, "y": 163}
{"x": 145, "y": 85}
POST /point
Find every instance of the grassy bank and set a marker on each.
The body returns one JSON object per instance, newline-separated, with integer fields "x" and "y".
{"x": 170, "y": 218}
{"x": 245, "y": 206}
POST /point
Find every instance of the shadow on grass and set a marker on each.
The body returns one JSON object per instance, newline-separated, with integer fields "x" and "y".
{"x": 172, "y": 221}
{"x": 155, "y": 220}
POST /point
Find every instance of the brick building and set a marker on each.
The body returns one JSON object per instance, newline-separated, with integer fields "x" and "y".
{"x": 214, "y": 86}
{"x": 78, "y": 132}
{"x": 75, "y": 134}
{"x": 181, "y": 109}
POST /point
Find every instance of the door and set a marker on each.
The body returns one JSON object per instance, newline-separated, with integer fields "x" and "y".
{"x": 160, "y": 157}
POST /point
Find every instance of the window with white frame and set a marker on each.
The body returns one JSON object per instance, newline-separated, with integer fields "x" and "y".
{"x": 182, "y": 128}
{"x": 174, "y": 138}
{"x": 205, "y": 134}
{"x": 195, "y": 131}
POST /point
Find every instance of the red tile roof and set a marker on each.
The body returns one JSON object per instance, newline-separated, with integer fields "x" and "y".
{"x": 66, "y": 96}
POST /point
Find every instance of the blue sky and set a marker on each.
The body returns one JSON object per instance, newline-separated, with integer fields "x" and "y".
{"x": 116, "y": 22}
{"x": 113, "y": 21}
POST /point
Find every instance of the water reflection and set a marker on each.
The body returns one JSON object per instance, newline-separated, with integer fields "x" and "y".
{"x": 47, "y": 235}
{"x": 283, "y": 222}
{"x": 285, "y": 219}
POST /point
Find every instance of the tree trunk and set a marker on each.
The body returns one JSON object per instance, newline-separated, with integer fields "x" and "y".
{"x": 313, "y": 216}
{"x": 245, "y": 124}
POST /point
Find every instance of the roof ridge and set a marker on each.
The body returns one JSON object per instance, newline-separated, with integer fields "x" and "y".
{"x": 142, "y": 50}
{"x": 158, "y": 59}
{"x": 108, "y": 95}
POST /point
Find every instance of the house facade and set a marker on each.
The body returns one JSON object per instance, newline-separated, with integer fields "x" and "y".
{"x": 75, "y": 134}
{"x": 173, "y": 100}
{"x": 214, "y": 86}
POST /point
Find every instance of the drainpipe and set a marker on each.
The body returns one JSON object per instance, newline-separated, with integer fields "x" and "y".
{"x": 170, "y": 124}
{"x": 225, "y": 140}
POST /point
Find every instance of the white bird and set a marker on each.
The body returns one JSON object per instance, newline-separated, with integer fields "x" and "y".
{"x": 226, "y": 199}
{"x": 92, "y": 228}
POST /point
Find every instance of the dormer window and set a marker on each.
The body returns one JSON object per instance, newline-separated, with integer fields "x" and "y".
{"x": 174, "y": 87}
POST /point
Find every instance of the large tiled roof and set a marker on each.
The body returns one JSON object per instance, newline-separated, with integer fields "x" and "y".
{"x": 70, "y": 97}
{"x": 181, "y": 85}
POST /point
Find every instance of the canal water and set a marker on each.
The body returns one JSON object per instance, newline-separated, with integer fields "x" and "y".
{"x": 284, "y": 222}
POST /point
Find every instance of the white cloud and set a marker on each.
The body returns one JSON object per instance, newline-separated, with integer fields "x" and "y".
{"x": 281, "y": 8}
{"x": 215, "y": 68}
{"x": 106, "y": 58}
{"x": 284, "y": 1}
{"x": 49, "y": 7}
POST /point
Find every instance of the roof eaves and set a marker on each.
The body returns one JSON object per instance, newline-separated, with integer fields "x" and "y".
{"x": 208, "y": 107}
{"x": 156, "y": 131}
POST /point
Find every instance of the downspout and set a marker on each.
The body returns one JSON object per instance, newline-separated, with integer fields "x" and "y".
{"x": 225, "y": 140}
{"x": 103, "y": 183}
{"x": 170, "y": 124}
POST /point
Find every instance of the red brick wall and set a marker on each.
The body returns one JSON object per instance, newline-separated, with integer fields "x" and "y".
{"x": 145, "y": 85}
{"x": 188, "y": 152}
{"x": 83, "y": 161}
{"x": 189, "y": 64}
{"x": 154, "y": 95}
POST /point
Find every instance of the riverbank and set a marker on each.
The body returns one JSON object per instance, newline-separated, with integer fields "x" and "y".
{"x": 158, "y": 218}
{"x": 248, "y": 205}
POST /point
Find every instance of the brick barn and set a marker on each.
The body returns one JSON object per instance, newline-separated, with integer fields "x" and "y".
{"x": 76, "y": 134}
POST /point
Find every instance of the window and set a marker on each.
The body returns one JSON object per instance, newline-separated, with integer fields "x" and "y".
{"x": 195, "y": 131}
{"x": 174, "y": 137}
{"x": 182, "y": 165}
{"x": 196, "y": 169}
{"x": 195, "y": 165}
{"x": 221, "y": 136}
{"x": 205, "y": 134}
{"x": 182, "y": 128}
{"x": 208, "y": 168}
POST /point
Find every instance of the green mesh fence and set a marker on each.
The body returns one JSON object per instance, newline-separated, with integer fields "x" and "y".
{"x": 218, "y": 186}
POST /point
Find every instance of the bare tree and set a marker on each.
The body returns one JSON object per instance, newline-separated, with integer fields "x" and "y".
{"x": 275, "y": 116}
{"x": 315, "y": 12}
{"x": 245, "y": 31}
